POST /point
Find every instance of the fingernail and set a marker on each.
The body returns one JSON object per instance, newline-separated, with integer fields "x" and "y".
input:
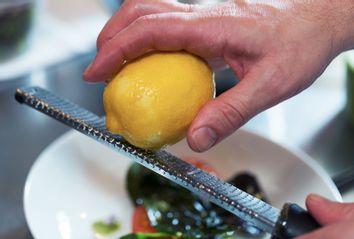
{"x": 204, "y": 138}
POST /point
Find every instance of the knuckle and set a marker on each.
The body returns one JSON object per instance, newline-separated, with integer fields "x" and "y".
{"x": 131, "y": 9}
{"x": 101, "y": 39}
{"x": 235, "y": 114}
{"x": 147, "y": 19}
{"x": 147, "y": 24}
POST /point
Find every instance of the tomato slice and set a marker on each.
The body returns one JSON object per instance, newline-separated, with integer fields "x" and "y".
{"x": 141, "y": 221}
{"x": 199, "y": 163}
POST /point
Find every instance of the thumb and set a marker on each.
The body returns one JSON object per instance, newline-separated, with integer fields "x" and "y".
{"x": 328, "y": 212}
{"x": 216, "y": 120}
{"x": 222, "y": 116}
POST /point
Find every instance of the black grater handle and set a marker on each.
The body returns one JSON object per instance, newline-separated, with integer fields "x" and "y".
{"x": 294, "y": 221}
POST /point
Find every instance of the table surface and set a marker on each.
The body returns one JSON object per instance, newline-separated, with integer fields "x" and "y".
{"x": 313, "y": 121}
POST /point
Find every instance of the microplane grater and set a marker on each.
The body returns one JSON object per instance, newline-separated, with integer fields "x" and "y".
{"x": 248, "y": 208}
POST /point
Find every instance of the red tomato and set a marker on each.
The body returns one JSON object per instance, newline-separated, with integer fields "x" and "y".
{"x": 141, "y": 221}
{"x": 199, "y": 163}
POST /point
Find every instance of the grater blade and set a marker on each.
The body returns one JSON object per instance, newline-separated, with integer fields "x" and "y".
{"x": 241, "y": 204}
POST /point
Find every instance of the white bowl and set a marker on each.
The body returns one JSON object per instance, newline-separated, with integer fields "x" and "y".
{"x": 77, "y": 181}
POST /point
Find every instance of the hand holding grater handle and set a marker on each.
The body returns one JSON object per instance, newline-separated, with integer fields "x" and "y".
{"x": 288, "y": 223}
{"x": 293, "y": 221}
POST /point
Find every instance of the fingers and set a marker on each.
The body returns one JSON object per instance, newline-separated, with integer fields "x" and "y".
{"x": 132, "y": 10}
{"x": 165, "y": 32}
{"x": 338, "y": 218}
{"x": 328, "y": 212}
{"x": 341, "y": 230}
{"x": 222, "y": 116}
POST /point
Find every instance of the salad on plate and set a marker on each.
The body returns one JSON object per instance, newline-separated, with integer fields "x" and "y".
{"x": 165, "y": 210}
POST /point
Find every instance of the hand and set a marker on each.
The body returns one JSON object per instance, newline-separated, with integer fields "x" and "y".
{"x": 276, "y": 48}
{"x": 336, "y": 218}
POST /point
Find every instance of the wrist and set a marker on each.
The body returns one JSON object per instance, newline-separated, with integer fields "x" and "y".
{"x": 343, "y": 27}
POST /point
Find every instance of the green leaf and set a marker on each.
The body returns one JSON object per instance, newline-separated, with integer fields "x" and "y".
{"x": 176, "y": 211}
{"x": 148, "y": 236}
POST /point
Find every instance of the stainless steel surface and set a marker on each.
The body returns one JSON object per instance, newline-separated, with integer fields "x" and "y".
{"x": 227, "y": 196}
{"x": 312, "y": 121}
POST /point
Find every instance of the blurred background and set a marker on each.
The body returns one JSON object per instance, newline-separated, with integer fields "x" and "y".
{"x": 49, "y": 43}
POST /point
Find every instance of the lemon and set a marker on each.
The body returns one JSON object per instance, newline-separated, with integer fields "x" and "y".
{"x": 152, "y": 101}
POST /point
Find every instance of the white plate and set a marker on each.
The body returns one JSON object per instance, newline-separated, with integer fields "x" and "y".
{"x": 77, "y": 181}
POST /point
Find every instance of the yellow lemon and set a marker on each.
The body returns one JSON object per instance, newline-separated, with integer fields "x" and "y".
{"x": 152, "y": 101}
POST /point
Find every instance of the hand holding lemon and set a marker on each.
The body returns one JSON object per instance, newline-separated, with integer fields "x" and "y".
{"x": 152, "y": 101}
{"x": 275, "y": 48}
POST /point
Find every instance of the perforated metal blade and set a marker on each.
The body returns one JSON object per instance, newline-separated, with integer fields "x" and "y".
{"x": 241, "y": 204}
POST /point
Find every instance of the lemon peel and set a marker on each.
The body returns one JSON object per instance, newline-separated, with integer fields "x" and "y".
{"x": 152, "y": 101}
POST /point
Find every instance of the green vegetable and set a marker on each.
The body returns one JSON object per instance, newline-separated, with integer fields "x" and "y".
{"x": 148, "y": 236}
{"x": 104, "y": 228}
{"x": 176, "y": 211}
